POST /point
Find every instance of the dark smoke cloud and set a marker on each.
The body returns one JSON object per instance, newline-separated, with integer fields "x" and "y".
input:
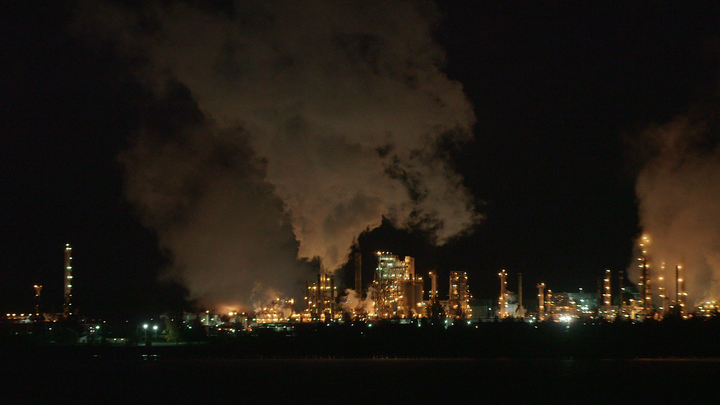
{"x": 202, "y": 188}
{"x": 679, "y": 196}
{"x": 319, "y": 118}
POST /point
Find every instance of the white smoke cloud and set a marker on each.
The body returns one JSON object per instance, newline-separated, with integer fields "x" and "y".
{"x": 679, "y": 198}
{"x": 354, "y": 302}
{"x": 222, "y": 224}
{"x": 342, "y": 104}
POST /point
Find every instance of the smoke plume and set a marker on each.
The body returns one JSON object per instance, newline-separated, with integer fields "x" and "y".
{"x": 679, "y": 197}
{"x": 318, "y": 119}
{"x": 354, "y": 302}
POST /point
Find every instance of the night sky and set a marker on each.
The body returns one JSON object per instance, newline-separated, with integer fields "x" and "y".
{"x": 561, "y": 92}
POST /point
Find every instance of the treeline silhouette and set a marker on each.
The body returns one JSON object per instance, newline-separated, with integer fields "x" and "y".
{"x": 670, "y": 338}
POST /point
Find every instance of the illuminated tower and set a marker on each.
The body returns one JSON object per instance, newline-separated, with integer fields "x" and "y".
{"x": 541, "y": 301}
{"x": 520, "y": 309}
{"x": 390, "y": 276}
{"x": 644, "y": 284}
{"x": 606, "y": 295}
{"x": 549, "y": 302}
{"x": 662, "y": 291}
{"x": 459, "y": 296}
{"x": 680, "y": 294}
{"x": 433, "y": 286}
{"x": 320, "y": 298}
{"x": 502, "y": 301}
{"x": 67, "y": 304}
{"x": 38, "y": 290}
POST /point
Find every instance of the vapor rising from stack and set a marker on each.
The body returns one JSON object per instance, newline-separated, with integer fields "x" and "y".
{"x": 309, "y": 122}
{"x": 679, "y": 196}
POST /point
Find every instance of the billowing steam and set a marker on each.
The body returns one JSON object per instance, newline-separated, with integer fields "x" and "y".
{"x": 679, "y": 195}
{"x": 316, "y": 119}
{"x": 353, "y": 302}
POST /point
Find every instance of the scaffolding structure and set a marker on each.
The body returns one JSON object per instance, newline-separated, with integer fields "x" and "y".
{"x": 459, "y": 296}
{"x": 397, "y": 291}
{"x": 321, "y": 299}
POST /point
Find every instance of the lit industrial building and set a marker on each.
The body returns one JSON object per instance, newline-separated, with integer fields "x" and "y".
{"x": 509, "y": 303}
{"x": 459, "y": 296}
{"x": 277, "y": 311}
{"x": 321, "y": 299}
{"x": 398, "y": 292}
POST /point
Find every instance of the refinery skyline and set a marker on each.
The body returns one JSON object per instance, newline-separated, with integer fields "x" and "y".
{"x": 397, "y": 292}
{"x": 477, "y": 138}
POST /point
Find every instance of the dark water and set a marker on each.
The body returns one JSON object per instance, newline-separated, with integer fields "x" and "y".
{"x": 154, "y": 380}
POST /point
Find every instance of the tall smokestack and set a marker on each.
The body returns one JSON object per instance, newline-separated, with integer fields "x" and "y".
{"x": 520, "y": 297}
{"x": 502, "y": 302}
{"x": 332, "y": 297}
{"x": 677, "y": 286}
{"x": 358, "y": 274}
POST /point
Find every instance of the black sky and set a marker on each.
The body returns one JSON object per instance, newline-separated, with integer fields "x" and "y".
{"x": 560, "y": 91}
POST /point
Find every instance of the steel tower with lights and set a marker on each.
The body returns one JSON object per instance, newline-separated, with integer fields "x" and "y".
{"x": 644, "y": 284}
{"x": 67, "y": 304}
{"x": 502, "y": 300}
{"x": 541, "y": 301}
{"x": 38, "y": 290}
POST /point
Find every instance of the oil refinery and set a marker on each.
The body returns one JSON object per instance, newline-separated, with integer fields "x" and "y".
{"x": 397, "y": 293}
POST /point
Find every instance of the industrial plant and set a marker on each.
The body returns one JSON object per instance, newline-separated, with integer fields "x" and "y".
{"x": 397, "y": 293}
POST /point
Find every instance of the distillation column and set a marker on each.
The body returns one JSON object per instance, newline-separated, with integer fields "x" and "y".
{"x": 680, "y": 294}
{"x": 645, "y": 292}
{"x": 38, "y": 290}
{"x": 433, "y": 286}
{"x": 644, "y": 284}
{"x": 541, "y": 301}
{"x": 662, "y": 291}
{"x": 607, "y": 298}
{"x": 549, "y": 303}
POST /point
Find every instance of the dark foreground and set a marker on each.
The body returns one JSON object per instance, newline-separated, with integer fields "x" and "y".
{"x": 155, "y": 380}
{"x": 387, "y": 363}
